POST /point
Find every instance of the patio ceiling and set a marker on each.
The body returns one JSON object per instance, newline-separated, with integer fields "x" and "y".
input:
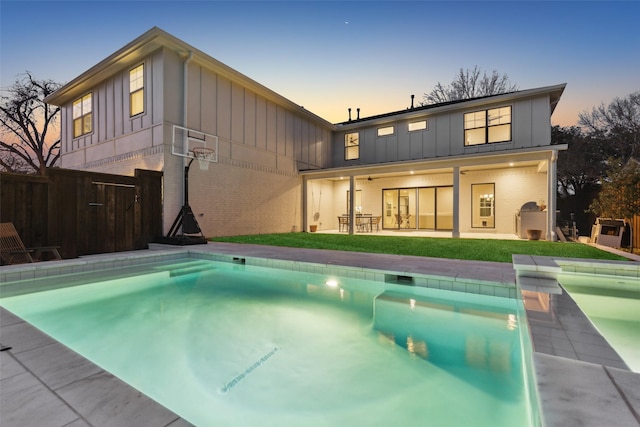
{"x": 480, "y": 161}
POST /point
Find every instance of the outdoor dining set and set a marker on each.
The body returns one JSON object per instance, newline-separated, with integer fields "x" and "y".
{"x": 364, "y": 222}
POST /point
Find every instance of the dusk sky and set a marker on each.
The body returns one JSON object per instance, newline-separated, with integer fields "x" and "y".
{"x": 332, "y": 55}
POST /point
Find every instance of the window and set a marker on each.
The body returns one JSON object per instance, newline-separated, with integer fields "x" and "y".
{"x": 136, "y": 90}
{"x": 82, "y": 116}
{"x": 488, "y": 126}
{"x": 483, "y": 205}
{"x": 352, "y": 146}
{"x": 421, "y": 125}
{"x": 357, "y": 201}
{"x": 385, "y": 131}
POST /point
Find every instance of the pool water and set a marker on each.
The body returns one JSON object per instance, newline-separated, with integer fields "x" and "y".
{"x": 613, "y": 306}
{"x": 226, "y": 344}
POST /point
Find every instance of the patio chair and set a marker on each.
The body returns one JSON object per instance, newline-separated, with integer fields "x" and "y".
{"x": 13, "y": 251}
{"x": 363, "y": 223}
{"x": 343, "y": 223}
{"x": 375, "y": 222}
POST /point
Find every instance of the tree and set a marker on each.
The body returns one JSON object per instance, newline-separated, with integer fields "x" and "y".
{"x": 27, "y": 122}
{"x": 618, "y": 124}
{"x": 582, "y": 164}
{"x": 470, "y": 84}
{"x": 580, "y": 169}
{"x": 619, "y": 196}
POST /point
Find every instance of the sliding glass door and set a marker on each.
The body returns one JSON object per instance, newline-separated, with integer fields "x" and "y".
{"x": 427, "y": 208}
{"x": 390, "y": 204}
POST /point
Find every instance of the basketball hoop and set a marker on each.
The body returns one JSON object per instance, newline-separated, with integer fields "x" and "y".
{"x": 204, "y": 156}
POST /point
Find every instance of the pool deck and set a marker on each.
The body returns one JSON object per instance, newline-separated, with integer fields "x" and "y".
{"x": 581, "y": 380}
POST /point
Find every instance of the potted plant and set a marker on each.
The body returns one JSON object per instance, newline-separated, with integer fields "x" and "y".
{"x": 314, "y": 227}
{"x": 534, "y": 234}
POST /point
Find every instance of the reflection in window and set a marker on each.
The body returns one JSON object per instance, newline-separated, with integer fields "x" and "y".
{"x": 82, "y": 115}
{"x": 483, "y": 205}
{"x": 488, "y": 126}
{"x": 352, "y": 146}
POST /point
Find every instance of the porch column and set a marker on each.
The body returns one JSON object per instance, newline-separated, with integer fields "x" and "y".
{"x": 352, "y": 202}
{"x": 456, "y": 202}
{"x": 305, "y": 184}
{"x": 552, "y": 172}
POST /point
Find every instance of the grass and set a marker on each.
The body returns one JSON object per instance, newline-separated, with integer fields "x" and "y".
{"x": 468, "y": 249}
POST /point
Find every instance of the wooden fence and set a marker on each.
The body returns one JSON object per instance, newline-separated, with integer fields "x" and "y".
{"x": 84, "y": 212}
{"x": 635, "y": 225}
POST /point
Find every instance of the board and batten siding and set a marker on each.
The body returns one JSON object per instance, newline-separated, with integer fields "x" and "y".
{"x": 444, "y": 135}
{"x": 114, "y": 132}
{"x": 249, "y": 126}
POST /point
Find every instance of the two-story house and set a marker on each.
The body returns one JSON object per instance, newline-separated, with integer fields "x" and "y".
{"x": 462, "y": 167}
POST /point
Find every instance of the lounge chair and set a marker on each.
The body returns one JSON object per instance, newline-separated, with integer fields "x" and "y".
{"x": 13, "y": 251}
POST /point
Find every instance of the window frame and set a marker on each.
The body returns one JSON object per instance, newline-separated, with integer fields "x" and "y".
{"x": 85, "y": 118}
{"x": 478, "y": 204}
{"x": 385, "y": 131}
{"x": 426, "y": 125}
{"x": 350, "y": 147}
{"x": 138, "y": 91}
{"x": 481, "y": 124}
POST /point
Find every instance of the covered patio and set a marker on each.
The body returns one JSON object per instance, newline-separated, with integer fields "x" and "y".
{"x": 459, "y": 197}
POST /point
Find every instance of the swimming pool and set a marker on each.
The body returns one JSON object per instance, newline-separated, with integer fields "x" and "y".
{"x": 613, "y": 306}
{"x": 230, "y": 344}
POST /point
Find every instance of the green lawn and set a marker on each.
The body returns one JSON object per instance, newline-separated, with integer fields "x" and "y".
{"x": 469, "y": 249}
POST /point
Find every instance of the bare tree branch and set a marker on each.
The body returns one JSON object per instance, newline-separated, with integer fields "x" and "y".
{"x": 470, "y": 84}
{"x": 619, "y": 124}
{"x": 26, "y": 122}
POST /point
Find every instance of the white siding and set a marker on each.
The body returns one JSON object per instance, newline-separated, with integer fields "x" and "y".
{"x": 444, "y": 136}
{"x": 114, "y": 132}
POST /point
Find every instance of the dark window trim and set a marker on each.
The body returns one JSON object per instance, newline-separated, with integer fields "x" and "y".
{"x": 346, "y": 147}
{"x": 487, "y": 126}
{"x": 494, "y": 206}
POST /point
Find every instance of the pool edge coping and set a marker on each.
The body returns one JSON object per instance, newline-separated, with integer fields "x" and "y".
{"x": 175, "y": 253}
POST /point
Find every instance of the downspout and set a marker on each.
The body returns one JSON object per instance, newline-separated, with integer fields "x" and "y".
{"x": 185, "y": 87}
{"x": 185, "y": 103}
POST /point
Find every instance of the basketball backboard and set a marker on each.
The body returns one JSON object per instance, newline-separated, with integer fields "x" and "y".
{"x": 184, "y": 140}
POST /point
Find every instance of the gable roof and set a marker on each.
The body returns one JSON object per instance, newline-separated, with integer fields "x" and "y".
{"x": 149, "y": 42}
{"x": 157, "y": 38}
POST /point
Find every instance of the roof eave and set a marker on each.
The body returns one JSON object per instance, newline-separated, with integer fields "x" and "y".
{"x": 554, "y": 92}
{"x": 149, "y": 42}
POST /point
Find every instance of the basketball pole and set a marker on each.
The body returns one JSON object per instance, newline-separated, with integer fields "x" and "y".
{"x": 186, "y": 220}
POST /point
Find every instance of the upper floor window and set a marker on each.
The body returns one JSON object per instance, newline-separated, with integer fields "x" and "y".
{"x": 82, "y": 116}
{"x": 487, "y": 126}
{"x": 352, "y": 146}
{"x": 421, "y": 125}
{"x": 385, "y": 131}
{"x": 136, "y": 90}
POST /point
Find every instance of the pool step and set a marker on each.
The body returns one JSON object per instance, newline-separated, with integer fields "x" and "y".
{"x": 187, "y": 268}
